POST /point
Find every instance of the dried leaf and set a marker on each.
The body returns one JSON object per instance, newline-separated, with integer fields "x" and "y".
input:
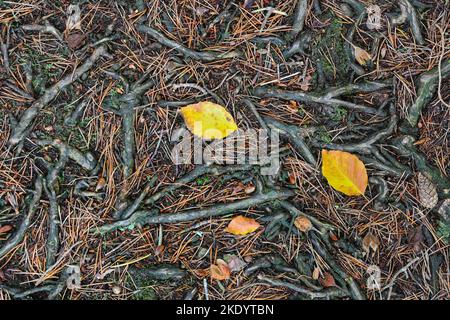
{"x": 327, "y": 280}
{"x": 241, "y": 225}
{"x": 221, "y": 271}
{"x": 208, "y": 120}
{"x": 316, "y": 273}
{"x": 250, "y": 188}
{"x": 75, "y": 40}
{"x": 5, "y": 229}
{"x": 159, "y": 250}
{"x": 293, "y": 106}
{"x": 415, "y": 238}
{"x": 361, "y": 55}
{"x": 344, "y": 172}
{"x": 100, "y": 184}
{"x": 234, "y": 262}
{"x": 333, "y": 237}
{"x": 427, "y": 191}
{"x": 74, "y": 19}
{"x": 370, "y": 241}
{"x": 292, "y": 178}
{"x": 303, "y": 224}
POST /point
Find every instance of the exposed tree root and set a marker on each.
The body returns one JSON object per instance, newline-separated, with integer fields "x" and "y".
{"x": 18, "y": 236}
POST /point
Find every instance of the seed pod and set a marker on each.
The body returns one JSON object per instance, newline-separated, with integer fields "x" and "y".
{"x": 427, "y": 191}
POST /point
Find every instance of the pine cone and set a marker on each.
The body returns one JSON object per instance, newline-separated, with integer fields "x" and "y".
{"x": 427, "y": 192}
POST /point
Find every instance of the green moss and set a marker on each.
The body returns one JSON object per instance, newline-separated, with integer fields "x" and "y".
{"x": 331, "y": 53}
{"x": 443, "y": 230}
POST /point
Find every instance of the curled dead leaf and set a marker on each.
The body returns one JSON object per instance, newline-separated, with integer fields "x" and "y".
{"x": 221, "y": 271}
{"x": 361, "y": 55}
{"x": 250, "y": 188}
{"x": 316, "y": 273}
{"x": 370, "y": 241}
{"x": 327, "y": 280}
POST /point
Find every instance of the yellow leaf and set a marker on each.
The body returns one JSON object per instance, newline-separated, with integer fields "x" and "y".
{"x": 303, "y": 224}
{"x": 362, "y": 56}
{"x": 241, "y": 225}
{"x": 221, "y": 271}
{"x": 208, "y": 120}
{"x": 344, "y": 172}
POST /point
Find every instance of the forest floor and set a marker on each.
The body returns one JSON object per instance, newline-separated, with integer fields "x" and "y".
{"x": 92, "y": 205}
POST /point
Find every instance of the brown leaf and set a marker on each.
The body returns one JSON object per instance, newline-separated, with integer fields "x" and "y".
{"x": 241, "y": 225}
{"x": 75, "y": 40}
{"x": 327, "y": 280}
{"x": 250, "y": 188}
{"x": 361, "y": 55}
{"x": 415, "y": 238}
{"x": 100, "y": 184}
{"x": 234, "y": 262}
{"x": 221, "y": 271}
{"x": 370, "y": 241}
{"x": 303, "y": 224}
{"x": 159, "y": 250}
{"x": 293, "y": 106}
{"x": 333, "y": 237}
{"x": 5, "y": 229}
{"x": 292, "y": 178}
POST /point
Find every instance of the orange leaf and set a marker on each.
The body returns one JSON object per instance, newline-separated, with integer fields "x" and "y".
{"x": 6, "y": 228}
{"x": 221, "y": 271}
{"x": 327, "y": 280}
{"x": 344, "y": 172}
{"x": 303, "y": 224}
{"x": 241, "y": 225}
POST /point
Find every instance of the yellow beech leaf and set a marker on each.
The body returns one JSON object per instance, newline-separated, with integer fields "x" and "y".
{"x": 208, "y": 120}
{"x": 221, "y": 271}
{"x": 344, "y": 172}
{"x": 362, "y": 56}
{"x": 241, "y": 225}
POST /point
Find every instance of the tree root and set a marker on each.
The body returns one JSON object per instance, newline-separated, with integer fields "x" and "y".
{"x": 428, "y": 84}
{"x": 299, "y": 17}
{"x": 20, "y": 233}
{"x": 326, "y": 293}
{"x": 145, "y": 217}
{"x": 409, "y": 13}
{"x": 206, "y": 56}
{"x": 47, "y": 28}
{"x": 313, "y": 98}
{"x": 53, "y": 217}
{"x": 296, "y": 136}
{"x": 86, "y": 160}
{"x": 343, "y": 277}
{"x": 24, "y": 125}
{"x": 405, "y": 147}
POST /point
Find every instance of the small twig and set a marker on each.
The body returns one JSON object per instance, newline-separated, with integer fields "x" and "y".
{"x": 394, "y": 277}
